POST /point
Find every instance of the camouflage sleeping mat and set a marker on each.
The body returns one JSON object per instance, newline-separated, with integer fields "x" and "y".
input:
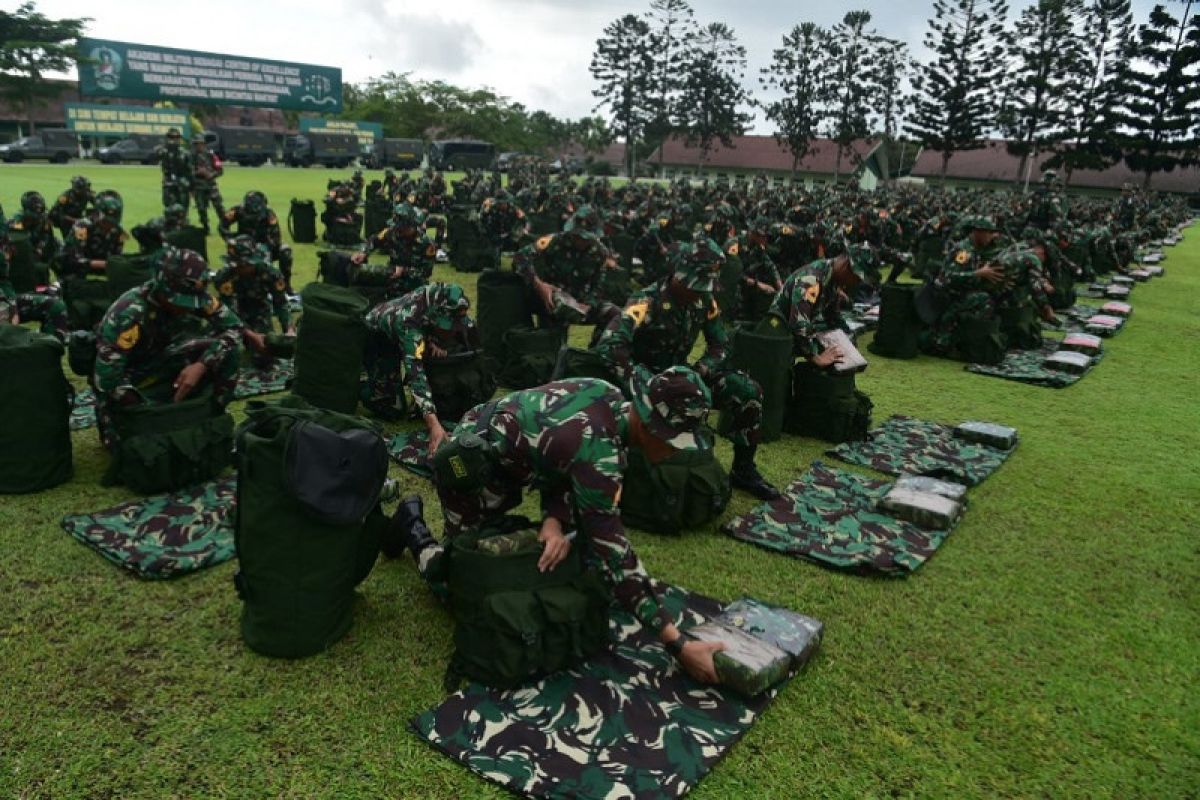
{"x": 409, "y": 448}
{"x": 252, "y": 381}
{"x": 165, "y": 535}
{"x": 829, "y": 516}
{"x": 628, "y": 723}
{"x": 908, "y": 446}
{"x": 1027, "y": 366}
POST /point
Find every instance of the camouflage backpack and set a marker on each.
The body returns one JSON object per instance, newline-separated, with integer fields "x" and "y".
{"x": 514, "y": 623}
{"x": 684, "y": 491}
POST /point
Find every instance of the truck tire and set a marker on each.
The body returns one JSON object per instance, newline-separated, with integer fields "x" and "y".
{"x": 61, "y": 158}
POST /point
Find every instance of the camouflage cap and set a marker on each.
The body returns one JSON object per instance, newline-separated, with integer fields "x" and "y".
{"x": 1049, "y": 175}
{"x": 110, "y": 205}
{"x": 674, "y": 405}
{"x": 464, "y": 463}
{"x": 864, "y": 262}
{"x": 244, "y": 249}
{"x": 584, "y": 220}
{"x": 173, "y": 133}
{"x": 405, "y": 215}
{"x": 697, "y": 265}
{"x": 80, "y": 183}
{"x": 447, "y": 303}
{"x": 980, "y": 223}
{"x": 33, "y": 203}
{"x": 254, "y": 203}
{"x": 183, "y": 280}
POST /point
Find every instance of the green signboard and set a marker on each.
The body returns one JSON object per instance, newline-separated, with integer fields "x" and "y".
{"x": 367, "y": 132}
{"x": 145, "y": 72}
{"x": 89, "y": 118}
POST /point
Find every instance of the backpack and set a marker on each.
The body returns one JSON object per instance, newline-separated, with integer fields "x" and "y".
{"x": 87, "y": 298}
{"x": 308, "y": 523}
{"x": 330, "y": 340}
{"x": 980, "y": 341}
{"x": 684, "y": 491}
{"x": 826, "y": 405}
{"x": 530, "y": 356}
{"x": 765, "y": 354}
{"x": 512, "y": 622}
{"x": 302, "y": 221}
{"x": 189, "y": 237}
{"x": 334, "y": 266}
{"x": 166, "y": 446}
{"x": 502, "y": 306}
{"x": 81, "y": 353}
{"x": 24, "y": 272}
{"x": 576, "y": 362}
{"x": 899, "y": 323}
{"x": 126, "y": 272}
{"x": 35, "y": 402}
{"x": 458, "y": 383}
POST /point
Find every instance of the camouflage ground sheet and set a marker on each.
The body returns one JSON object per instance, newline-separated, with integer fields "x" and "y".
{"x": 903, "y": 445}
{"x": 1026, "y": 366}
{"x": 165, "y": 535}
{"x": 409, "y": 448}
{"x": 828, "y": 515}
{"x": 83, "y": 410}
{"x": 626, "y": 724}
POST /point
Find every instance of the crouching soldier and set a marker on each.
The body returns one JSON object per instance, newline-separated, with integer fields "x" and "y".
{"x": 255, "y": 291}
{"x": 149, "y": 348}
{"x": 569, "y": 439}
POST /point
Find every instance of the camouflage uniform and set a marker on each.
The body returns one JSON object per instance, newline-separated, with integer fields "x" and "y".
{"x": 206, "y": 169}
{"x": 573, "y": 262}
{"x": 757, "y": 267}
{"x": 807, "y": 305}
{"x": 91, "y": 240}
{"x": 177, "y": 170}
{"x": 142, "y": 344}
{"x": 399, "y": 330}
{"x": 40, "y": 231}
{"x": 72, "y": 205}
{"x": 408, "y": 248}
{"x": 502, "y": 222}
{"x": 29, "y": 306}
{"x": 254, "y": 297}
{"x": 966, "y": 296}
{"x": 567, "y": 440}
{"x": 255, "y": 217}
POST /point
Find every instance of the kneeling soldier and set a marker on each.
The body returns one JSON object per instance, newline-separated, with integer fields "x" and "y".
{"x": 254, "y": 290}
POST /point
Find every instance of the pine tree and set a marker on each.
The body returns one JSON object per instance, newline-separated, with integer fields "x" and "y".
{"x": 623, "y": 64}
{"x": 852, "y": 70}
{"x": 1043, "y": 52}
{"x": 798, "y": 71}
{"x": 672, "y": 22}
{"x": 892, "y": 67}
{"x": 1160, "y": 74}
{"x": 955, "y": 100}
{"x": 31, "y": 45}
{"x": 712, "y": 91}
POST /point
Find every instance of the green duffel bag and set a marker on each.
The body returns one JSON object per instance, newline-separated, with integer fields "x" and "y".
{"x": 980, "y": 341}
{"x": 765, "y": 354}
{"x": 24, "y": 272}
{"x": 513, "y": 622}
{"x": 308, "y": 523}
{"x": 502, "y": 306}
{"x": 376, "y": 213}
{"x": 126, "y": 272}
{"x": 189, "y": 237}
{"x": 729, "y": 288}
{"x": 281, "y": 345}
{"x": 575, "y": 362}
{"x": 302, "y": 221}
{"x": 345, "y": 234}
{"x": 687, "y": 490}
{"x": 166, "y": 446}
{"x": 458, "y": 383}
{"x": 87, "y": 299}
{"x": 35, "y": 402}
{"x": 330, "y": 338}
{"x": 530, "y": 356}
{"x": 336, "y": 267}
{"x": 1021, "y": 327}
{"x": 899, "y": 323}
{"x": 826, "y": 405}
{"x": 81, "y": 353}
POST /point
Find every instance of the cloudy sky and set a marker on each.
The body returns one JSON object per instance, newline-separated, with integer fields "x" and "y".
{"x": 534, "y": 51}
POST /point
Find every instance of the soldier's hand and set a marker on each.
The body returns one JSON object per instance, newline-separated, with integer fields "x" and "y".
{"x": 358, "y": 258}
{"x": 436, "y": 351}
{"x": 188, "y": 379}
{"x": 257, "y": 341}
{"x": 437, "y": 434}
{"x": 991, "y": 274}
{"x": 828, "y": 357}
{"x": 696, "y": 658}
{"x": 555, "y": 546}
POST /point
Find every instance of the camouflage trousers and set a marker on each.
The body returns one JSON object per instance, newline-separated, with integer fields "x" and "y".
{"x": 205, "y": 194}
{"x": 738, "y": 395}
{"x": 50, "y": 311}
{"x": 176, "y": 194}
{"x": 155, "y": 381}
{"x": 259, "y": 320}
{"x": 940, "y": 339}
{"x": 385, "y": 375}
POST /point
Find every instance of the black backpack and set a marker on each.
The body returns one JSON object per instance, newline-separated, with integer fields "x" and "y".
{"x": 330, "y": 340}
{"x": 458, "y": 383}
{"x": 302, "y": 221}
{"x": 899, "y": 323}
{"x": 827, "y": 405}
{"x": 35, "y": 402}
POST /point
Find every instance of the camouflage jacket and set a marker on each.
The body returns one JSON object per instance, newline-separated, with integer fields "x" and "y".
{"x": 757, "y": 263}
{"x": 957, "y": 275}
{"x": 657, "y": 331}
{"x": 556, "y": 260}
{"x": 497, "y": 223}
{"x": 206, "y": 167}
{"x": 177, "y": 166}
{"x": 415, "y": 255}
{"x": 807, "y": 305}
{"x": 566, "y": 439}
{"x": 71, "y": 207}
{"x": 135, "y": 332}
{"x": 404, "y": 321}
{"x": 41, "y": 235}
{"x": 91, "y": 241}
{"x": 257, "y": 295}
{"x": 264, "y": 230}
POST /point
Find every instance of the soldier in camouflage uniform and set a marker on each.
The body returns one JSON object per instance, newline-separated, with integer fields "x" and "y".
{"x": 255, "y": 291}
{"x": 810, "y": 300}
{"x": 1047, "y": 210}
{"x": 256, "y": 218}
{"x": 92, "y": 241}
{"x": 411, "y": 254}
{"x": 658, "y": 329}
{"x": 207, "y": 168}
{"x": 502, "y": 222}
{"x": 33, "y": 221}
{"x": 177, "y": 171}
{"x": 565, "y": 272}
{"x": 426, "y": 322}
{"x": 343, "y": 223}
{"x": 149, "y": 347}
{"x": 967, "y": 285}
{"x": 24, "y": 307}
{"x": 568, "y": 439}
{"x": 760, "y": 276}
{"x": 72, "y": 205}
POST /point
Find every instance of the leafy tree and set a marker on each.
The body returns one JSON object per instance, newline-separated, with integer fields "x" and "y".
{"x": 31, "y": 45}
{"x": 1043, "y": 52}
{"x": 674, "y": 26}
{"x": 712, "y": 89}
{"x": 955, "y": 94}
{"x": 592, "y": 134}
{"x": 1160, "y": 74}
{"x": 852, "y": 70}
{"x": 1092, "y": 90}
{"x": 623, "y": 64}
{"x": 798, "y": 72}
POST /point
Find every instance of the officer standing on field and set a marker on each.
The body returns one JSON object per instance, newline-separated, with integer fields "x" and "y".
{"x": 207, "y": 168}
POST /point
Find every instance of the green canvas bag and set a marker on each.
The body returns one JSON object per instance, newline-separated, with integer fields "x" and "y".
{"x": 81, "y": 353}
{"x": 512, "y": 622}
{"x": 899, "y": 323}
{"x": 87, "y": 298}
{"x": 189, "y": 237}
{"x": 530, "y": 356}
{"x": 35, "y": 402}
{"x": 502, "y": 306}
{"x": 308, "y": 524}
{"x": 827, "y": 405}
{"x": 330, "y": 338}
{"x": 125, "y": 272}
{"x": 687, "y": 490}
{"x": 458, "y": 383}
{"x": 980, "y": 341}
{"x": 24, "y": 272}
{"x": 765, "y": 354}
{"x": 576, "y": 362}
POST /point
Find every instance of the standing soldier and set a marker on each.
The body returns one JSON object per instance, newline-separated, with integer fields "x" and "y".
{"x": 176, "y": 171}
{"x": 255, "y": 217}
{"x": 255, "y": 291}
{"x": 72, "y": 205}
{"x": 207, "y": 168}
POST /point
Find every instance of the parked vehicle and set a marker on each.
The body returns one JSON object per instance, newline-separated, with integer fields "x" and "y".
{"x": 249, "y": 147}
{"x": 57, "y": 145}
{"x": 331, "y": 149}
{"x": 454, "y": 155}
{"x": 140, "y": 148}
{"x": 397, "y": 154}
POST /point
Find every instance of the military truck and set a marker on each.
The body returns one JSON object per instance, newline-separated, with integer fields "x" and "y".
{"x": 55, "y": 144}
{"x": 331, "y": 149}
{"x": 137, "y": 147}
{"x": 250, "y": 147}
{"x": 460, "y": 154}
{"x": 397, "y": 153}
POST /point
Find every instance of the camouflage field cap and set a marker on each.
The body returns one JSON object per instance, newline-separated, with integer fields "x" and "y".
{"x": 981, "y": 223}
{"x": 864, "y": 262}
{"x": 407, "y": 216}
{"x": 110, "y": 206}
{"x": 183, "y": 280}
{"x": 464, "y": 463}
{"x": 584, "y": 220}
{"x": 175, "y": 212}
{"x": 698, "y": 265}
{"x": 33, "y": 203}
{"x": 243, "y": 248}
{"x": 447, "y": 304}
{"x": 80, "y": 184}
{"x": 674, "y": 406}
{"x": 173, "y": 135}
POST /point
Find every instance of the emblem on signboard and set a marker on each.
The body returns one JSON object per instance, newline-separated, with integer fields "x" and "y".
{"x": 106, "y": 67}
{"x": 320, "y": 91}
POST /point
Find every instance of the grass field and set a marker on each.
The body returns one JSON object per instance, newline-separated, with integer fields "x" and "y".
{"x": 1050, "y": 649}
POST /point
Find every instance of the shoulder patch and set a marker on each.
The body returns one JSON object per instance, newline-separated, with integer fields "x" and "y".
{"x": 271, "y": 219}
{"x": 231, "y": 215}
{"x": 280, "y": 284}
{"x": 812, "y": 293}
{"x": 714, "y": 310}
{"x": 786, "y": 230}
{"x": 732, "y": 249}
{"x": 637, "y": 312}
{"x": 62, "y": 199}
{"x": 544, "y": 242}
{"x": 226, "y": 288}
{"x": 129, "y": 337}
{"x": 419, "y": 354}
{"x": 962, "y": 257}
{"x": 17, "y": 225}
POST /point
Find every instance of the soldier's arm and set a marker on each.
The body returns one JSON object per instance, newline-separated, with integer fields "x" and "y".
{"x": 225, "y": 226}
{"x": 523, "y": 262}
{"x": 716, "y": 339}
{"x": 616, "y": 344}
{"x": 279, "y": 300}
{"x": 118, "y": 334}
{"x": 412, "y": 346}
{"x": 273, "y": 234}
{"x": 226, "y": 326}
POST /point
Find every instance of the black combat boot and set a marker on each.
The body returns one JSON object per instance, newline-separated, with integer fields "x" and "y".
{"x": 407, "y": 529}
{"x": 745, "y": 474}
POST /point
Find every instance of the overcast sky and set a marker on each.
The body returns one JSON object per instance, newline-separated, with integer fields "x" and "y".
{"x": 533, "y": 51}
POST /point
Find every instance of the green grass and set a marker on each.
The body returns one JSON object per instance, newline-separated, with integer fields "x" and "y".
{"x": 1049, "y": 650}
